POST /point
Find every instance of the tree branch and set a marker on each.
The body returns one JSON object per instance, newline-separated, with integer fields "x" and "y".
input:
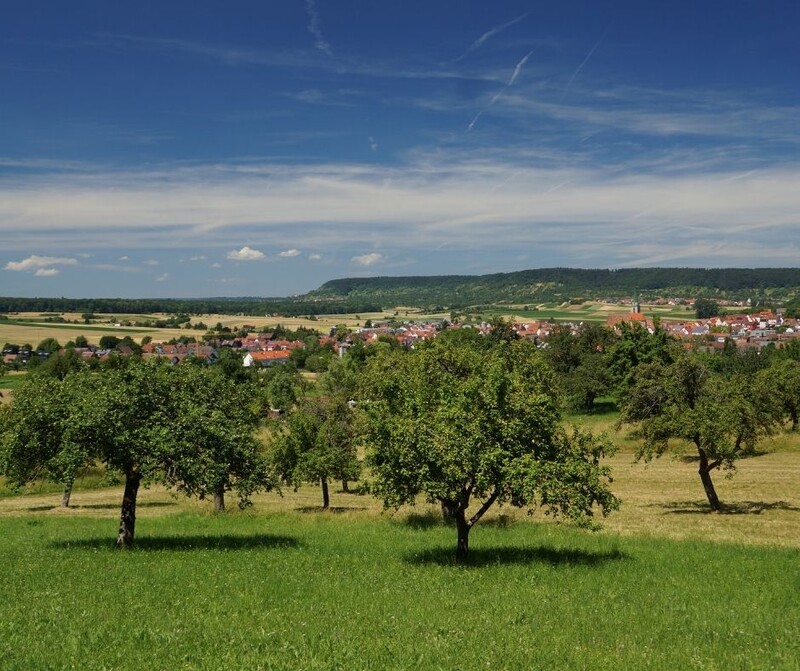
{"x": 487, "y": 504}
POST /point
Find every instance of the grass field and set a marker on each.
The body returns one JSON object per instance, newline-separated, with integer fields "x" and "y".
{"x": 665, "y": 585}
{"x": 324, "y": 591}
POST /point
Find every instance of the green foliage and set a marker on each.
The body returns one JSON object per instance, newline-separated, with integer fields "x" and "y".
{"x": 723, "y": 418}
{"x": 551, "y": 284}
{"x": 60, "y": 364}
{"x": 634, "y": 347}
{"x": 317, "y": 444}
{"x": 705, "y": 308}
{"x": 290, "y": 307}
{"x": 49, "y": 345}
{"x": 183, "y": 426}
{"x": 454, "y": 422}
{"x": 283, "y": 387}
{"x": 109, "y": 342}
{"x": 782, "y": 381}
{"x": 42, "y": 433}
{"x": 581, "y": 362}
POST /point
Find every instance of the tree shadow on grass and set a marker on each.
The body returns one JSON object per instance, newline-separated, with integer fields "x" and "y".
{"x": 99, "y": 506}
{"x": 480, "y": 557}
{"x": 186, "y": 543}
{"x": 694, "y": 458}
{"x": 735, "y": 508}
{"x": 600, "y": 408}
{"x": 432, "y": 519}
{"x": 330, "y": 509}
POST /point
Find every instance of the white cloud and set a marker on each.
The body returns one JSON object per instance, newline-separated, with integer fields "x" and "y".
{"x": 200, "y": 257}
{"x": 372, "y": 144}
{"x": 35, "y": 261}
{"x": 245, "y": 254}
{"x": 492, "y": 199}
{"x": 290, "y": 252}
{"x": 47, "y": 272}
{"x": 162, "y": 278}
{"x": 124, "y": 258}
{"x": 314, "y": 257}
{"x": 368, "y": 259}
{"x": 216, "y": 265}
{"x": 150, "y": 262}
{"x": 314, "y": 27}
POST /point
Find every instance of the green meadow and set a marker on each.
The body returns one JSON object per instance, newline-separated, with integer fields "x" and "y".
{"x": 283, "y": 585}
{"x": 302, "y": 589}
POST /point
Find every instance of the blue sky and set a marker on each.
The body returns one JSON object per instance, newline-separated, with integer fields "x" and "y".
{"x": 261, "y": 148}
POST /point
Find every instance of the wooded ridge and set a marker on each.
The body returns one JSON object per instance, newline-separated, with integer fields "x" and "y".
{"x": 371, "y": 294}
{"x": 549, "y": 284}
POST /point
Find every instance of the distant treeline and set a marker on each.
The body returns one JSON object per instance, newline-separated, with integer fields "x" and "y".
{"x": 548, "y": 284}
{"x": 286, "y": 307}
{"x": 373, "y": 294}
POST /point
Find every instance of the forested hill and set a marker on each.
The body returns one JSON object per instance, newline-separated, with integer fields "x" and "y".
{"x": 548, "y": 284}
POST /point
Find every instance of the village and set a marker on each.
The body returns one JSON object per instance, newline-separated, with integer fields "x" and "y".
{"x": 265, "y": 348}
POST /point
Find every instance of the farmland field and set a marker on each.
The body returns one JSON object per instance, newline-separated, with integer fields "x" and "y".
{"x": 31, "y": 327}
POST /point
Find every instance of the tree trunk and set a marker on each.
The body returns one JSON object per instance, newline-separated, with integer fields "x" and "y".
{"x": 345, "y": 487}
{"x": 326, "y": 497}
{"x": 66, "y": 496}
{"x": 448, "y": 516}
{"x": 127, "y": 518}
{"x": 462, "y": 528}
{"x": 708, "y": 485}
{"x": 219, "y": 498}
{"x": 794, "y": 420}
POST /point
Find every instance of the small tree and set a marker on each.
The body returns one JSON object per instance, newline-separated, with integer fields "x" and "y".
{"x": 317, "y": 444}
{"x": 186, "y": 427}
{"x": 49, "y": 345}
{"x": 723, "y": 418}
{"x": 705, "y": 308}
{"x": 457, "y": 422}
{"x": 782, "y": 379}
{"x": 42, "y": 435}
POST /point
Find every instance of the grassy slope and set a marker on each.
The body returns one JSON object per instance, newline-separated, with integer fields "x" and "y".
{"x": 291, "y": 591}
{"x": 285, "y": 586}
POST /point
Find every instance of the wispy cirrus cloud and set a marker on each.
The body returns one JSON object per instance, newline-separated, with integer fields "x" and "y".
{"x": 498, "y": 198}
{"x": 315, "y": 28}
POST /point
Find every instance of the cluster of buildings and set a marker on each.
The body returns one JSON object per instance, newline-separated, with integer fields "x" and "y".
{"x": 747, "y": 331}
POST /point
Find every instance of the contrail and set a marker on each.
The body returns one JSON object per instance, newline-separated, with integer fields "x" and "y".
{"x": 490, "y": 34}
{"x": 314, "y": 28}
{"x": 517, "y": 69}
{"x": 472, "y": 123}
{"x": 583, "y": 63}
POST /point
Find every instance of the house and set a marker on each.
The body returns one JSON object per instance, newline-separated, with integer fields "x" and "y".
{"x": 269, "y": 358}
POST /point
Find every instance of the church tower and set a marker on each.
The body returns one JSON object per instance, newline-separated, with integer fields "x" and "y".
{"x": 636, "y": 306}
